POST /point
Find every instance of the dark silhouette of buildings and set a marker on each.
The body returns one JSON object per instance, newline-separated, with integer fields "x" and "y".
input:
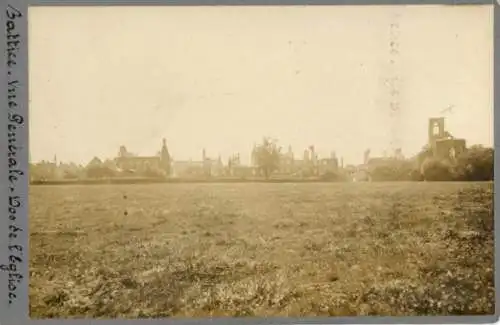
{"x": 128, "y": 162}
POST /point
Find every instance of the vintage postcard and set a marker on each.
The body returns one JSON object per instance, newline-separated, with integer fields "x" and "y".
{"x": 260, "y": 161}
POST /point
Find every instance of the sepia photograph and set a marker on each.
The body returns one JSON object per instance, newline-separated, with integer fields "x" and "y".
{"x": 260, "y": 161}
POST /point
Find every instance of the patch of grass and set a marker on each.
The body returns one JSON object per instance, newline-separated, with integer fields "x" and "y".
{"x": 261, "y": 250}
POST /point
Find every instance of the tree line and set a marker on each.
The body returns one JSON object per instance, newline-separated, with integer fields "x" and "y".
{"x": 475, "y": 164}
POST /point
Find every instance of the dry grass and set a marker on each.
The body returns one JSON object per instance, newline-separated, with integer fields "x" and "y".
{"x": 261, "y": 250}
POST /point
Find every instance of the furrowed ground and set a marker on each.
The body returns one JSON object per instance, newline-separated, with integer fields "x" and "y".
{"x": 261, "y": 250}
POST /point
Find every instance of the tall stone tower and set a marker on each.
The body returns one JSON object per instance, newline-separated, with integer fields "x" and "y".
{"x": 436, "y": 130}
{"x": 165, "y": 159}
{"x": 366, "y": 156}
{"x": 313, "y": 154}
{"x": 122, "y": 153}
{"x": 306, "y": 155}
{"x": 334, "y": 159}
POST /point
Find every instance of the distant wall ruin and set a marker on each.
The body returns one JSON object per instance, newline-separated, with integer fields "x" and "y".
{"x": 442, "y": 144}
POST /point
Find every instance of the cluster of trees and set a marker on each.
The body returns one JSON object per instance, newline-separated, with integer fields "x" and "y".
{"x": 475, "y": 164}
{"x": 267, "y": 156}
{"x": 43, "y": 171}
{"x": 395, "y": 170}
{"x": 99, "y": 172}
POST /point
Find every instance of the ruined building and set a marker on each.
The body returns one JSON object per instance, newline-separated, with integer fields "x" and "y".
{"x": 442, "y": 144}
{"x": 206, "y": 167}
{"x": 310, "y": 164}
{"x": 160, "y": 163}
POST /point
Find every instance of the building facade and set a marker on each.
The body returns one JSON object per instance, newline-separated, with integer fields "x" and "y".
{"x": 130, "y": 163}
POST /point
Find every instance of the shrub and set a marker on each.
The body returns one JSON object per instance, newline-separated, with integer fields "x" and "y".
{"x": 476, "y": 164}
{"x": 100, "y": 172}
{"x": 152, "y": 173}
{"x": 333, "y": 177}
{"x": 436, "y": 170}
{"x": 393, "y": 170}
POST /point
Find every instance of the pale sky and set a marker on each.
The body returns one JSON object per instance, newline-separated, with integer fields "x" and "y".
{"x": 221, "y": 78}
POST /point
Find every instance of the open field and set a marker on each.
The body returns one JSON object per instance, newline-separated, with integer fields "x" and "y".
{"x": 261, "y": 250}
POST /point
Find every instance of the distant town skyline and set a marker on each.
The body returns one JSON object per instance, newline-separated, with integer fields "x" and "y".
{"x": 214, "y": 79}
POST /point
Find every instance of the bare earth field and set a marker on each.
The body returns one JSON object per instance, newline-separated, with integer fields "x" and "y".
{"x": 261, "y": 250}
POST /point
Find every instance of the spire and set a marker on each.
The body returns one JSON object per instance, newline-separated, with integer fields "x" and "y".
{"x": 290, "y": 152}
{"x": 122, "y": 152}
{"x": 366, "y": 156}
{"x": 164, "y": 154}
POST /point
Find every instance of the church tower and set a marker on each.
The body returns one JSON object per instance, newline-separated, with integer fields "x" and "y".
{"x": 165, "y": 159}
{"x": 436, "y": 131}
